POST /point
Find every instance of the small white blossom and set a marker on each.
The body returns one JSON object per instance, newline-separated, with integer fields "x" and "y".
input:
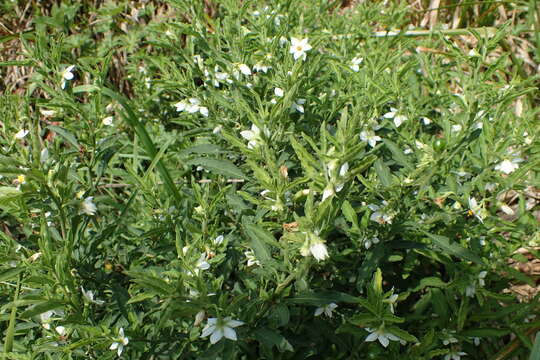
{"x": 119, "y": 344}
{"x": 455, "y": 355}
{"x": 299, "y": 47}
{"x": 391, "y": 300}
{"x": 67, "y": 75}
{"x": 508, "y": 166}
{"x": 218, "y": 328}
{"x": 368, "y": 242}
{"x": 47, "y": 113}
{"x": 477, "y": 210}
{"x": 370, "y": 137}
{"x": 326, "y": 309}
{"x": 218, "y": 240}
{"x": 355, "y": 63}
{"x": 456, "y": 128}
{"x": 88, "y": 207}
{"x": 108, "y": 121}
{"x": 381, "y": 335}
{"x": 251, "y": 259}
{"x": 21, "y": 134}
{"x": 202, "y": 264}
{"x": 193, "y": 105}
{"x": 379, "y": 215}
{"x": 393, "y": 114}
{"x": 260, "y": 67}
{"x": 60, "y": 330}
{"x": 199, "y": 317}
{"x": 298, "y": 105}
{"x": 278, "y": 92}
{"x": 89, "y": 296}
{"x": 254, "y": 136}
{"x": 426, "y": 120}
{"x": 319, "y": 251}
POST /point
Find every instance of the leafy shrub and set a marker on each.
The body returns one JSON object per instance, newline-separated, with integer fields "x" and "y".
{"x": 274, "y": 183}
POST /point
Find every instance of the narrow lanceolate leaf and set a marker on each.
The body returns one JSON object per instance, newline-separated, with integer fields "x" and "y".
{"x": 138, "y": 127}
{"x": 320, "y": 298}
{"x": 218, "y": 166}
{"x": 535, "y": 353}
{"x": 453, "y": 248}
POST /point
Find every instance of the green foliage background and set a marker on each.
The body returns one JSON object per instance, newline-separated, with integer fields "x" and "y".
{"x": 167, "y": 184}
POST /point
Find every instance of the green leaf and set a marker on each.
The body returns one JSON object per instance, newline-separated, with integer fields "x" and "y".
{"x": 535, "y": 352}
{"x": 444, "y": 244}
{"x": 398, "y": 155}
{"x": 349, "y": 213}
{"x": 42, "y": 307}
{"x": 383, "y": 172}
{"x": 85, "y": 88}
{"x": 430, "y": 282}
{"x": 497, "y": 333}
{"x": 259, "y": 239}
{"x": 323, "y": 298}
{"x": 402, "y": 334}
{"x": 270, "y": 338}
{"x": 65, "y": 134}
{"x": 11, "y": 273}
{"x": 218, "y": 166}
{"x": 131, "y": 118}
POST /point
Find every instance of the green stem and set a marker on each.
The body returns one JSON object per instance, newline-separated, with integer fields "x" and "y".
{"x": 10, "y": 333}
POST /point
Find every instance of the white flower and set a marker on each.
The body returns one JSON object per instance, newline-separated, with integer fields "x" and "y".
{"x": 108, "y": 121}
{"x": 370, "y": 137}
{"x": 199, "y": 317}
{"x": 368, "y": 242}
{"x": 47, "y": 113}
{"x": 202, "y": 263}
{"x": 218, "y": 240}
{"x": 44, "y": 155}
{"x": 45, "y": 319}
{"x": 60, "y": 330}
{"x": 67, "y": 75}
{"x": 356, "y": 63}
{"x": 455, "y": 355}
{"x": 477, "y": 210}
{"x": 298, "y": 105}
{"x": 326, "y": 309}
{"x": 392, "y": 301}
{"x": 192, "y": 106}
{"x": 89, "y": 296}
{"x": 379, "y": 215}
{"x": 328, "y": 192}
{"x": 218, "y": 328}
{"x": 260, "y": 67}
{"x": 481, "y": 277}
{"x": 319, "y": 251}
{"x": 120, "y": 343}
{"x": 426, "y": 120}
{"x": 456, "y": 128}
{"x": 217, "y": 129}
{"x": 299, "y": 47}
{"x": 450, "y": 340}
{"x": 253, "y": 136}
{"x": 21, "y": 134}
{"x": 381, "y": 335}
{"x": 251, "y": 259}
{"x": 88, "y": 207}
{"x": 393, "y": 114}
{"x": 244, "y": 69}
{"x": 278, "y": 92}
{"x": 508, "y": 166}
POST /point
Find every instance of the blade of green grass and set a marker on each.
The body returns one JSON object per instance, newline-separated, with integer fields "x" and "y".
{"x": 138, "y": 127}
